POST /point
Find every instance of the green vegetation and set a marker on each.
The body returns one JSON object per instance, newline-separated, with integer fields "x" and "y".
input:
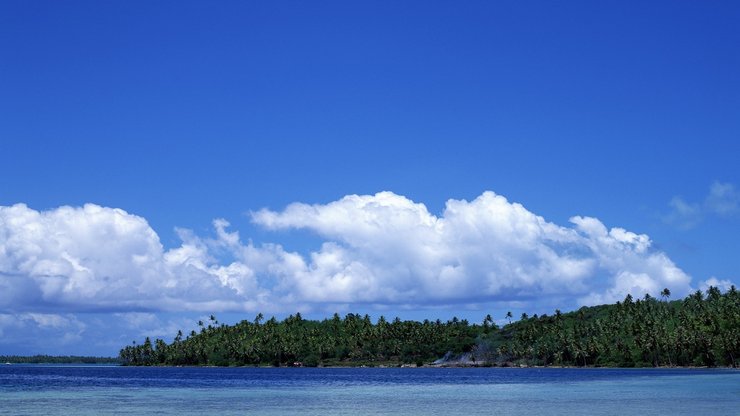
{"x": 54, "y": 359}
{"x": 352, "y": 340}
{"x": 697, "y": 331}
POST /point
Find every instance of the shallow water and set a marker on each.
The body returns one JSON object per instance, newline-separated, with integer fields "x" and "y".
{"x": 101, "y": 390}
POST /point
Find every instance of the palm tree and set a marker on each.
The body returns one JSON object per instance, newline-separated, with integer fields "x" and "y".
{"x": 487, "y": 321}
{"x": 665, "y": 294}
{"x": 509, "y": 316}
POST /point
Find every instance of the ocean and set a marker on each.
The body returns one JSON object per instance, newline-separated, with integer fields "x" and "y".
{"x": 111, "y": 390}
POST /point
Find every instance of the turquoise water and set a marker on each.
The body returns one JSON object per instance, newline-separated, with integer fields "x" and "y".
{"x": 99, "y": 390}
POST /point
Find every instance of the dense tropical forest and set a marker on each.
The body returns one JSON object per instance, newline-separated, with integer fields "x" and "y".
{"x": 701, "y": 330}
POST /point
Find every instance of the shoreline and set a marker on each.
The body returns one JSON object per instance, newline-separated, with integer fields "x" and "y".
{"x": 508, "y": 365}
{"x": 412, "y": 366}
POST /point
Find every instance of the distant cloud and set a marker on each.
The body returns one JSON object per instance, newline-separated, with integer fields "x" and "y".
{"x": 27, "y": 328}
{"x": 684, "y": 214}
{"x": 724, "y": 285}
{"x": 723, "y": 200}
{"x": 379, "y": 250}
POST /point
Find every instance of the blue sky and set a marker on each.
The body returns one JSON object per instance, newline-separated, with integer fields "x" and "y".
{"x": 421, "y": 159}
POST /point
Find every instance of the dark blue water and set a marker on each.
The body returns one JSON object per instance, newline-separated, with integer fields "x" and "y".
{"x": 50, "y": 390}
{"x": 60, "y": 377}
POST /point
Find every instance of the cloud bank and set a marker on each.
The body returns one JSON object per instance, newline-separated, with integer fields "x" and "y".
{"x": 380, "y": 250}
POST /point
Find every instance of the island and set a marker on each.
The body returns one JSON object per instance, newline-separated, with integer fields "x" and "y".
{"x": 701, "y": 330}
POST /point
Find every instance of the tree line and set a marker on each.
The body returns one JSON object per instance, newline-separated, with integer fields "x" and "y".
{"x": 700, "y": 330}
{"x": 352, "y": 340}
{"x": 56, "y": 359}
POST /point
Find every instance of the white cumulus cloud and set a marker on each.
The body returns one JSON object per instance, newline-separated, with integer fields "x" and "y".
{"x": 97, "y": 258}
{"x": 77, "y": 256}
{"x": 385, "y": 248}
{"x": 724, "y": 285}
{"x": 382, "y": 250}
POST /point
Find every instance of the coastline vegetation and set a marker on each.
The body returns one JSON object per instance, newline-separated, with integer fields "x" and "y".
{"x": 700, "y": 330}
{"x": 56, "y": 359}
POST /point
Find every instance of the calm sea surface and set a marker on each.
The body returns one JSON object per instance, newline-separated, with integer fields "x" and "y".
{"x": 102, "y": 390}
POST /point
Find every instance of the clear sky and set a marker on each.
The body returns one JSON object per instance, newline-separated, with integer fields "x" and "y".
{"x": 162, "y": 161}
